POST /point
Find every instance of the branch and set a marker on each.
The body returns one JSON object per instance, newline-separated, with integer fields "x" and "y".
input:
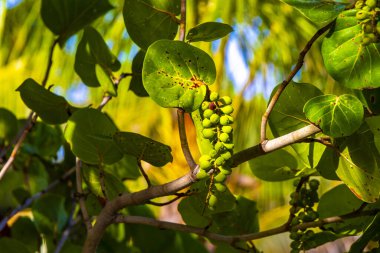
{"x": 66, "y": 233}
{"x": 182, "y": 136}
{"x": 182, "y": 24}
{"x": 82, "y": 203}
{"x": 32, "y": 118}
{"x": 285, "y": 83}
{"x": 232, "y": 239}
{"x": 143, "y": 172}
{"x": 116, "y": 83}
{"x": 272, "y": 145}
{"x": 30, "y": 200}
{"x": 107, "y": 215}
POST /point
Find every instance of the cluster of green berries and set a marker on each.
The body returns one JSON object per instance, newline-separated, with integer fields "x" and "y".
{"x": 217, "y": 128}
{"x": 302, "y": 207}
{"x": 368, "y": 16}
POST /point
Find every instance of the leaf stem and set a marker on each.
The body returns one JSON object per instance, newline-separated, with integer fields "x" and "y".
{"x": 285, "y": 83}
{"x": 182, "y": 136}
{"x": 80, "y": 193}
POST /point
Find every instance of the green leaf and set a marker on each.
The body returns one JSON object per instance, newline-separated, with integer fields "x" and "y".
{"x": 194, "y": 210}
{"x": 340, "y": 201}
{"x": 136, "y": 84}
{"x": 318, "y": 11}
{"x": 370, "y": 232}
{"x": 176, "y": 74}
{"x": 208, "y": 31}
{"x": 328, "y": 164}
{"x": 287, "y": 116}
{"x": 374, "y": 125}
{"x": 12, "y": 180}
{"x": 279, "y": 165}
{"x": 318, "y": 239}
{"x": 337, "y": 116}
{"x": 346, "y": 59}
{"x": 66, "y": 17}
{"x": 92, "y": 55}
{"x": 372, "y": 97}
{"x": 8, "y": 126}
{"x": 10, "y": 245}
{"x": 144, "y": 148}
{"x": 113, "y": 185}
{"x": 359, "y": 164}
{"x": 156, "y": 18}
{"x": 126, "y": 168}
{"x": 243, "y": 219}
{"x": 51, "y": 108}
{"x": 89, "y": 133}
{"x": 24, "y": 230}
{"x": 49, "y": 214}
{"x": 44, "y": 140}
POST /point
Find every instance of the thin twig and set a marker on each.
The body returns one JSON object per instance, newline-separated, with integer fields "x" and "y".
{"x": 102, "y": 182}
{"x": 30, "y": 200}
{"x": 144, "y": 173}
{"x": 182, "y": 136}
{"x": 82, "y": 203}
{"x": 182, "y": 24}
{"x": 164, "y": 203}
{"x": 283, "y": 85}
{"x": 116, "y": 83}
{"x": 66, "y": 233}
{"x": 232, "y": 239}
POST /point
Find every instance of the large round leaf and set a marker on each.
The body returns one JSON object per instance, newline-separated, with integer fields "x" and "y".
{"x": 346, "y": 59}
{"x": 8, "y": 126}
{"x": 337, "y": 116}
{"x": 175, "y": 74}
{"x": 150, "y": 20}
{"x": 89, "y": 132}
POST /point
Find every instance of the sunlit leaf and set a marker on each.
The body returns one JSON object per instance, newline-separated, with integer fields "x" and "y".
{"x": 346, "y": 59}
{"x": 337, "y": 116}
{"x": 318, "y": 11}
{"x": 94, "y": 62}
{"x": 144, "y": 148}
{"x": 369, "y": 233}
{"x": 89, "y": 133}
{"x": 157, "y": 19}
{"x": 51, "y": 108}
{"x": 374, "y": 125}
{"x": 208, "y": 31}
{"x": 66, "y": 17}
{"x": 176, "y": 74}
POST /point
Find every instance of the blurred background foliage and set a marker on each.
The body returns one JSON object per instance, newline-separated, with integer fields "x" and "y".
{"x": 267, "y": 38}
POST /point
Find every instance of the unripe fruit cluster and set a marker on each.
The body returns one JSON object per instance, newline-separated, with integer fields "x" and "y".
{"x": 302, "y": 208}
{"x": 368, "y": 16}
{"x": 217, "y": 128}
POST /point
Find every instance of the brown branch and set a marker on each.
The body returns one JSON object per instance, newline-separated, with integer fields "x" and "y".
{"x": 81, "y": 200}
{"x": 232, "y": 239}
{"x": 66, "y": 233}
{"x": 30, "y": 200}
{"x": 182, "y": 23}
{"x": 182, "y": 136}
{"x": 285, "y": 83}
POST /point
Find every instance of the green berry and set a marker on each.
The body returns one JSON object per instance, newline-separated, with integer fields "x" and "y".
{"x": 359, "y": 4}
{"x": 378, "y": 27}
{"x": 219, "y": 161}
{"x": 205, "y": 105}
{"x": 367, "y": 28}
{"x": 360, "y": 15}
{"x": 296, "y": 182}
{"x": 366, "y": 8}
{"x": 295, "y": 235}
{"x": 206, "y": 123}
{"x": 220, "y": 187}
{"x": 208, "y": 133}
{"x": 213, "y": 200}
{"x": 219, "y": 146}
{"x": 226, "y": 155}
{"x": 371, "y": 3}
{"x": 214, "y": 96}
{"x": 213, "y": 153}
{"x": 207, "y": 113}
{"x": 226, "y": 100}
{"x": 314, "y": 184}
{"x": 205, "y": 158}
{"x": 220, "y": 178}
{"x": 228, "y": 109}
{"x": 202, "y": 174}
{"x": 295, "y": 244}
{"x": 229, "y": 146}
{"x": 214, "y": 118}
{"x": 205, "y": 165}
{"x": 223, "y": 137}
{"x": 224, "y": 120}
{"x": 225, "y": 170}
{"x": 227, "y": 129}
